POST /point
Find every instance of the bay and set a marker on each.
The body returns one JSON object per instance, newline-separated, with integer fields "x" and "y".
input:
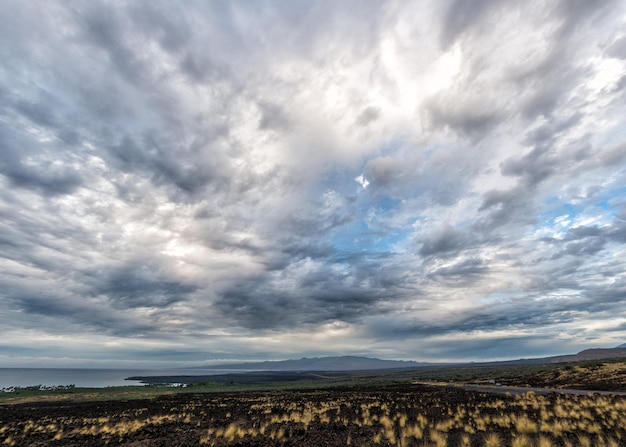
{"x": 89, "y": 377}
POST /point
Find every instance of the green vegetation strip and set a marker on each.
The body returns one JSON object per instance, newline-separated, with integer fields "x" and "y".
{"x": 609, "y": 375}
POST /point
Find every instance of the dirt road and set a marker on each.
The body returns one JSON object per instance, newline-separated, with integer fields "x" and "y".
{"x": 515, "y": 390}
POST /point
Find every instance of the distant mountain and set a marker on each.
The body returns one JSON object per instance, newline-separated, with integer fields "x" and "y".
{"x": 354, "y": 363}
{"x": 345, "y": 363}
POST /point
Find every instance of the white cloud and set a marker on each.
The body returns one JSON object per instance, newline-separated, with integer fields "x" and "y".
{"x": 361, "y": 180}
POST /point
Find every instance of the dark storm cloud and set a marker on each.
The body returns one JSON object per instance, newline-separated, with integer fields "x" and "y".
{"x": 45, "y": 178}
{"x": 139, "y": 284}
{"x": 38, "y": 169}
{"x": 258, "y": 306}
{"x": 308, "y": 292}
{"x": 585, "y": 248}
{"x": 446, "y": 240}
{"x": 524, "y": 313}
{"x": 264, "y": 305}
{"x": 532, "y": 168}
{"x": 504, "y": 207}
{"x": 59, "y": 314}
{"x": 165, "y": 162}
{"x": 587, "y": 240}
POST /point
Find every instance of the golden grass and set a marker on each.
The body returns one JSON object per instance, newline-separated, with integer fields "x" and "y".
{"x": 544, "y": 441}
{"x": 440, "y": 439}
{"x": 584, "y": 441}
{"x": 524, "y": 425}
{"x": 521, "y": 441}
{"x": 465, "y": 441}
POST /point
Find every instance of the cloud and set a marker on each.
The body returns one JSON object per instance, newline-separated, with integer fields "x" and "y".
{"x": 445, "y": 240}
{"x": 368, "y": 115}
{"x": 463, "y": 273}
{"x": 462, "y": 16}
{"x": 137, "y": 285}
{"x": 39, "y": 169}
{"x": 220, "y": 180}
{"x": 618, "y": 48}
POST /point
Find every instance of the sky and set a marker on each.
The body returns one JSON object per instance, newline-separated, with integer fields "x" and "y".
{"x": 207, "y": 181}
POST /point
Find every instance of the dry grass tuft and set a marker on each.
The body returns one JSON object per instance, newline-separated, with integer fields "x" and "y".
{"x": 440, "y": 439}
{"x": 464, "y": 441}
{"x": 521, "y": 441}
{"x": 493, "y": 440}
{"x": 544, "y": 441}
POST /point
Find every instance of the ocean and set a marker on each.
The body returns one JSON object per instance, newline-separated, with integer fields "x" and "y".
{"x": 89, "y": 378}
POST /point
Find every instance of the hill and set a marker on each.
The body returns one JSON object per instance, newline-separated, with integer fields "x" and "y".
{"x": 591, "y": 354}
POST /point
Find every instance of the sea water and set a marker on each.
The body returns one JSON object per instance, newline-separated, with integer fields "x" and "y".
{"x": 88, "y": 378}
